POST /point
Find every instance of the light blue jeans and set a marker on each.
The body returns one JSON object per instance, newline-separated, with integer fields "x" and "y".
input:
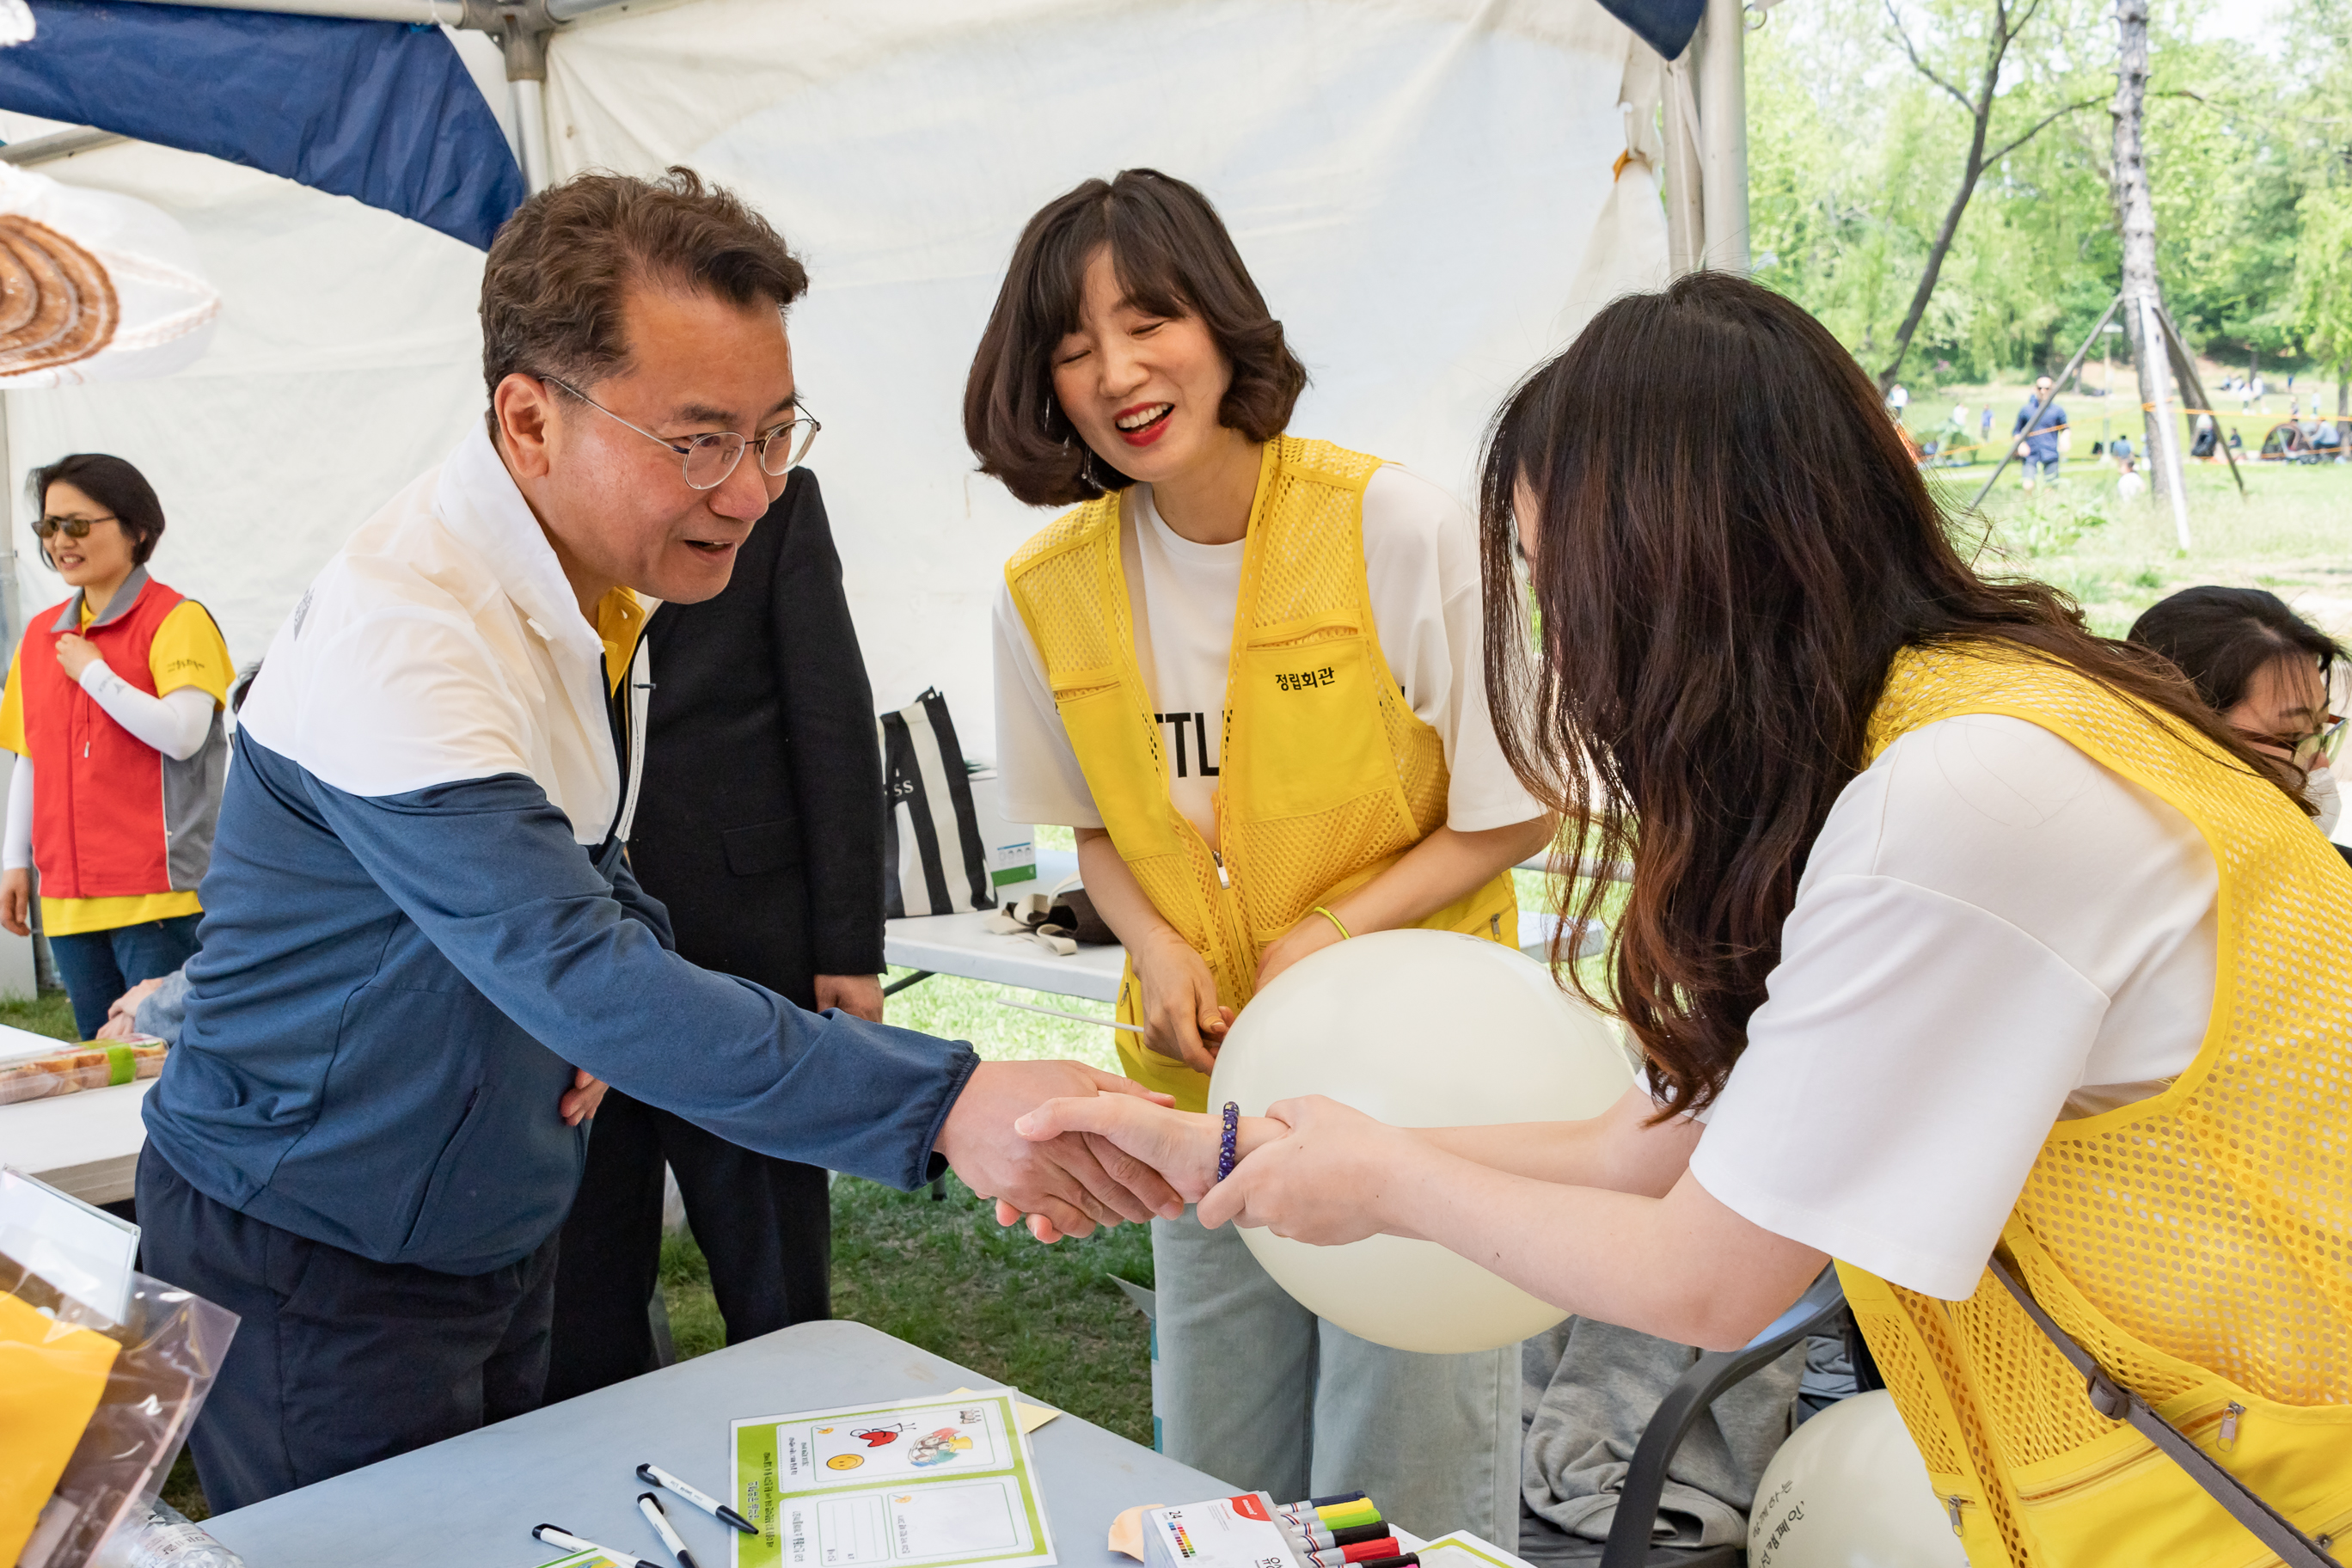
{"x": 1255, "y": 1389}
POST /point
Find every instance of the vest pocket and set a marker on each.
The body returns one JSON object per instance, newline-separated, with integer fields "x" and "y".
{"x": 1306, "y": 732}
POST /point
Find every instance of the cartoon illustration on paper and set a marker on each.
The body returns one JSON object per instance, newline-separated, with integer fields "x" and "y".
{"x": 909, "y": 1443}
{"x": 939, "y": 1448}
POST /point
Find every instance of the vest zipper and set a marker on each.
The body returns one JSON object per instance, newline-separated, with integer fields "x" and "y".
{"x": 1224, "y": 880}
{"x": 2228, "y": 1438}
{"x": 1952, "y": 1506}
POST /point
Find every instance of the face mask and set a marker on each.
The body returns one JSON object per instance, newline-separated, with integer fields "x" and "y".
{"x": 2319, "y": 789}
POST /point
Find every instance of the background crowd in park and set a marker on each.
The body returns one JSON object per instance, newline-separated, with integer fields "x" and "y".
{"x": 1862, "y": 118}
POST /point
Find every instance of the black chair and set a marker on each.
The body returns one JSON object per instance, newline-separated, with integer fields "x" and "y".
{"x": 1630, "y": 1544}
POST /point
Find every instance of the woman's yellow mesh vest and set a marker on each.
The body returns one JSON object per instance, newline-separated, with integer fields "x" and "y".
{"x": 1325, "y": 774}
{"x": 2198, "y": 1243}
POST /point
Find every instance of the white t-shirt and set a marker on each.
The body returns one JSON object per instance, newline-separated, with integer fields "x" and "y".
{"x": 1992, "y": 932}
{"x": 1421, "y": 562}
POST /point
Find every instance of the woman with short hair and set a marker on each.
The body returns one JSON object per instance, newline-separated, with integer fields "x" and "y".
{"x": 1245, "y": 669}
{"x": 114, "y": 709}
{"x": 1964, "y": 947}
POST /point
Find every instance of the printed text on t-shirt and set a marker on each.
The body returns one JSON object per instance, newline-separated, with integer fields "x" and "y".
{"x": 1197, "y": 724}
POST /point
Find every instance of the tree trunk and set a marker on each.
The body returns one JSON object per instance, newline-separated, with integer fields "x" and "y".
{"x": 2135, "y": 216}
{"x": 1970, "y": 175}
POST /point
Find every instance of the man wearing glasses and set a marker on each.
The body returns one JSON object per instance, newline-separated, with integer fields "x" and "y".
{"x": 424, "y": 953}
{"x": 760, "y": 827}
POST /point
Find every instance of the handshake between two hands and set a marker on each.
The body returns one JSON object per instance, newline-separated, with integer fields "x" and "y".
{"x": 1067, "y": 1148}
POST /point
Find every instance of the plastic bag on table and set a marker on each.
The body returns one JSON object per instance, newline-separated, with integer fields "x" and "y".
{"x": 92, "y": 1064}
{"x": 92, "y": 1410}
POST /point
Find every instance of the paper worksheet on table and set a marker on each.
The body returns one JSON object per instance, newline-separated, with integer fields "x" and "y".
{"x": 908, "y": 1484}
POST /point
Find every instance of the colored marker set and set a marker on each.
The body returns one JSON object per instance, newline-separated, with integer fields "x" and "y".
{"x": 1252, "y": 1532}
{"x": 1342, "y": 1532}
{"x": 650, "y": 1506}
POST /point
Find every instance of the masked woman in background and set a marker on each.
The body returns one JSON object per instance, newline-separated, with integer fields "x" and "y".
{"x": 1964, "y": 948}
{"x": 114, "y": 709}
{"x": 1246, "y": 669}
{"x": 2264, "y": 669}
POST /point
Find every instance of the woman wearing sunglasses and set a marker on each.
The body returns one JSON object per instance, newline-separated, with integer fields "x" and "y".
{"x": 2265, "y": 670}
{"x": 1965, "y": 948}
{"x": 114, "y": 709}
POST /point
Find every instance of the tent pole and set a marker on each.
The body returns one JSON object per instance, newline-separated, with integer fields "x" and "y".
{"x": 530, "y": 130}
{"x": 2153, "y": 377}
{"x": 521, "y": 28}
{"x": 1686, "y": 219}
{"x": 2184, "y": 366}
{"x": 1723, "y": 132}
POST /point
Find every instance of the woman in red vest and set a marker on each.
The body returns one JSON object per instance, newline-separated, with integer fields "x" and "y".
{"x": 114, "y": 709}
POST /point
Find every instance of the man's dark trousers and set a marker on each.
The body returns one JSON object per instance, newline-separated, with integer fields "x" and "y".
{"x": 765, "y": 1227}
{"x": 340, "y": 1360}
{"x": 759, "y": 824}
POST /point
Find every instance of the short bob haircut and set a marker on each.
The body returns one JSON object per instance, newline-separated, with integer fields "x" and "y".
{"x": 112, "y": 484}
{"x": 1173, "y": 257}
{"x": 2223, "y": 637}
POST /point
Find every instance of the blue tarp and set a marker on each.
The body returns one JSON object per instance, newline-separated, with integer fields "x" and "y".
{"x": 1664, "y": 25}
{"x": 381, "y": 111}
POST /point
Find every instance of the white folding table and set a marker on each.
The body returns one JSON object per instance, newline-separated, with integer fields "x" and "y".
{"x": 473, "y": 1499}
{"x": 963, "y": 945}
{"x": 87, "y": 1142}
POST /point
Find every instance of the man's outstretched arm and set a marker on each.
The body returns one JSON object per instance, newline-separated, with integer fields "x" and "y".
{"x": 488, "y": 870}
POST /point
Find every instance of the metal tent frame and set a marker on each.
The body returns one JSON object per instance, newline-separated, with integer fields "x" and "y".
{"x": 1706, "y": 107}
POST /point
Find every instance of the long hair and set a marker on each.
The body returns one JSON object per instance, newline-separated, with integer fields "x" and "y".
{"x": 1731, "y": 546}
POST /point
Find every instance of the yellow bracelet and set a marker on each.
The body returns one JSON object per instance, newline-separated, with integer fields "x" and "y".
{"x": 1328, "y": 915}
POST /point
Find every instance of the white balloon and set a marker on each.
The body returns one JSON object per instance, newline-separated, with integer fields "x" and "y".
{"x": 1850, "y": 1490}
{"x": 1420, "y": 1029}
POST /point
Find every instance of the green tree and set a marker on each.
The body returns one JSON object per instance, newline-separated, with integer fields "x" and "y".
{"x": 2323, "y": 282}
{"x": 1964, "y": 50}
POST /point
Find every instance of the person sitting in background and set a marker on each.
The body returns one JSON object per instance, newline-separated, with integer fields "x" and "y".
{"x": 113, "y": 710}
{"x": 2208, "y": 438}
{"x": 2266, "y": 671}
{"x": 2120, "y": 449}
{"x": 2130, "y": 486}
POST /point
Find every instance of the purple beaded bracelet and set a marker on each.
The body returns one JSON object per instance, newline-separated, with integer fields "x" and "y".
{"x": 1226, "y": 1143}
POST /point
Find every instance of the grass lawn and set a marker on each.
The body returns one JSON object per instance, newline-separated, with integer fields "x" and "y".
{"x": 2290, "y": 533}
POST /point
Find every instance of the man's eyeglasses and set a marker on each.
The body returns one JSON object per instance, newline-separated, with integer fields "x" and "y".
{"x": 72, "y": 527}
{"x": 710, "y": 458}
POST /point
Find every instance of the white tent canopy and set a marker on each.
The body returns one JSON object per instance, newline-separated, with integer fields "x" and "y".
{"x": 1433, "y": 193}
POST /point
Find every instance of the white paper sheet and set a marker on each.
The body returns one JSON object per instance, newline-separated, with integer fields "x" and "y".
{"x": 909, "y": 1484}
